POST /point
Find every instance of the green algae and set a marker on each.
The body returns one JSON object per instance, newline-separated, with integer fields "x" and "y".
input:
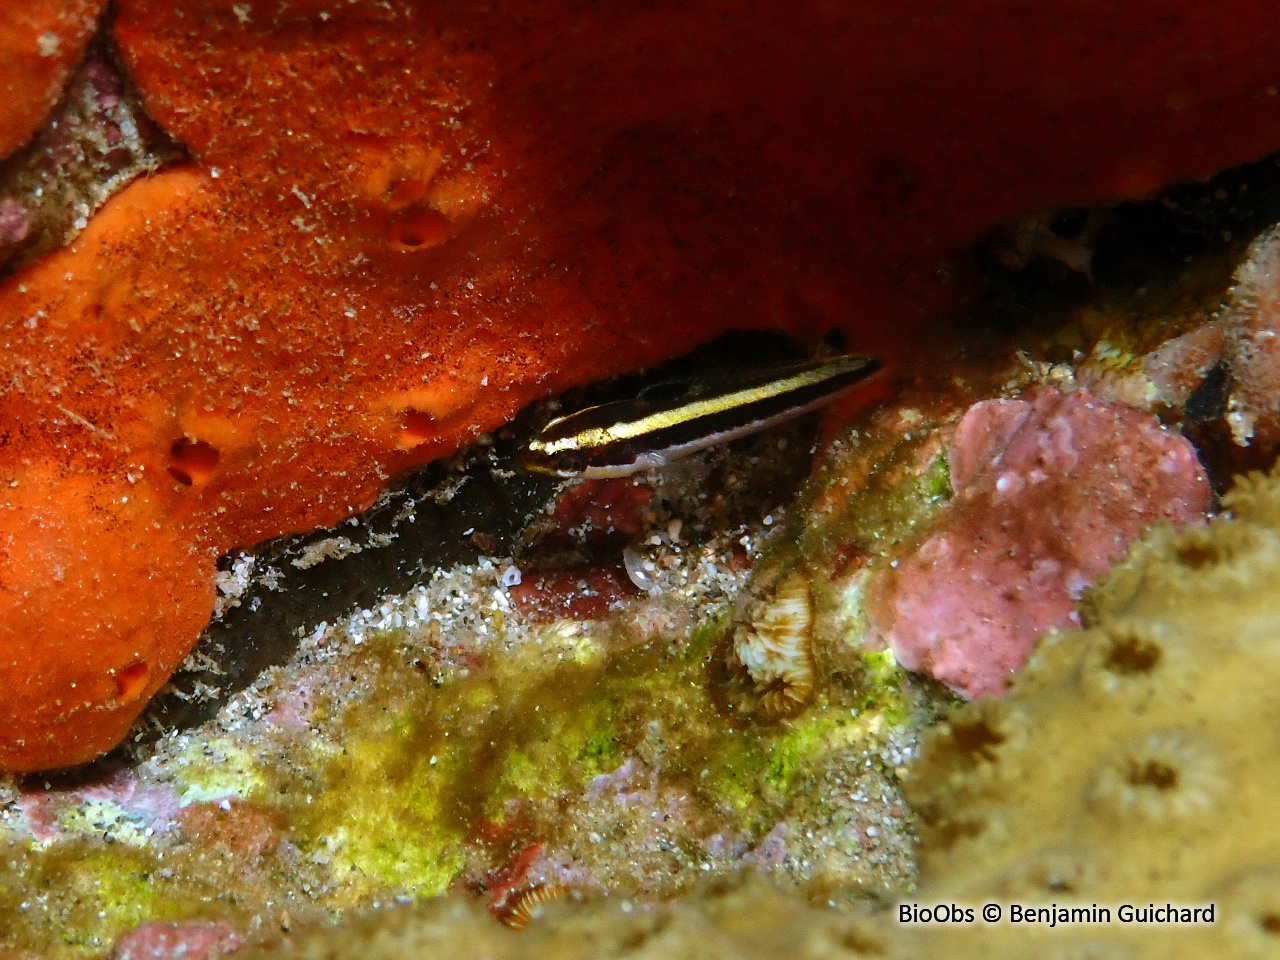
{"x": 908, "y": 481}
{"x": 117, "y": 892}
{"x": 704, "y": 638}
{"x": 883, "y": 679}
{"x": 76, "y": 897}
{"x": 423, "y": 766}
{"x": 377, "y": 811}
{"x": 218, "y": 768}
{"x": 792, "y": 757}
{"x": 106, "y": 872}
{"x": 563, "y": 750}
{"x": 890, "y": 517}
{"x": 104, "y": 818}
{"x": 380, "y": 850}
{"x": 935, "y": 483}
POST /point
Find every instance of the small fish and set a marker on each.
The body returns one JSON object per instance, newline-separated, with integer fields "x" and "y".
{"x": 627, "y": 436}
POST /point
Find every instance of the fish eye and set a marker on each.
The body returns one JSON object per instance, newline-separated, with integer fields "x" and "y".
{"x": 539, "y": 461}
{"x": 571, "y": 461}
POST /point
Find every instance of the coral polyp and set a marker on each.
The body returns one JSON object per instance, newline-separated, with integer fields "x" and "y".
{"x": 532, "y": 905}
{"x": 775, "y": 644}
{"x": 1167, "y": 776}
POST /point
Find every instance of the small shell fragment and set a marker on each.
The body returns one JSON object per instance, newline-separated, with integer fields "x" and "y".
{"x": 635, "y": 564}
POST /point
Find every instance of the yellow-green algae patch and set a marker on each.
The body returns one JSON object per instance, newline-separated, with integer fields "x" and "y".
{"x": 793, "y": 756}
{"x": 579, "y": 743}
{"x": 78, "y": 897}
{"x": 379, "y": 812}
{"x": 423, "y": 765}
{"x": 883, "y": 679}
{"x": 216, "y": 768}
{"x": 876, "y": 489}
{"x": 105, "y": 818}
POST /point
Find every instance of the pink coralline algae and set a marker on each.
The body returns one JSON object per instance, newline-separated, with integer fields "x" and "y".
{"x": 43, "y": 810}
{"x": 198, "y": 940}
{"x": 1049, "y": 489}
{"x": 15, "y": 221}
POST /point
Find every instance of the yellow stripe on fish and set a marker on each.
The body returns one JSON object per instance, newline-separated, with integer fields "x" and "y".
{"x": 624, "y": 437}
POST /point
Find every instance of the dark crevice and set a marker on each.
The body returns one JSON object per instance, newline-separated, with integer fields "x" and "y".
{"x": 97, "y": 140}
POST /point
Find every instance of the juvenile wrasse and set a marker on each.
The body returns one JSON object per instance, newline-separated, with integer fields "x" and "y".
{"x": 624, "y": 437}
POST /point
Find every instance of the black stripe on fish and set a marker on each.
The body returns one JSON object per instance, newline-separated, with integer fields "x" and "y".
{"x": 621, "y": 438}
